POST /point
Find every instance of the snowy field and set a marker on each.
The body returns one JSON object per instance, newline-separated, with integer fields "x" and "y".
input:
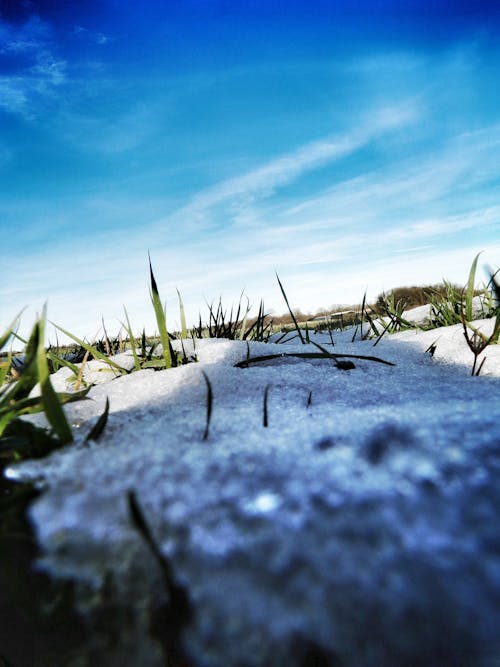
{"x": 358, "y": 528}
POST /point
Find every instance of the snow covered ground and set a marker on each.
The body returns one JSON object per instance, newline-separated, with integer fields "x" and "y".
{"x": 360, "y": 527}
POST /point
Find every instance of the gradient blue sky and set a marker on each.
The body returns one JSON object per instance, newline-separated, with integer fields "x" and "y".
{"x": 346, "y": 145}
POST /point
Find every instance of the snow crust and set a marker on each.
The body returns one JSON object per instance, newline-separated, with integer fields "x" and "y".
{"x": 364, "y": 525}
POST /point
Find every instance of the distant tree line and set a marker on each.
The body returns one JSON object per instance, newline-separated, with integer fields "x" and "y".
{"x": 416, "y": 295}
{"x": 413, "y": 296}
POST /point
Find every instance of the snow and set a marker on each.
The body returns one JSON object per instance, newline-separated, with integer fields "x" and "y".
{"x": 365, "y": 523}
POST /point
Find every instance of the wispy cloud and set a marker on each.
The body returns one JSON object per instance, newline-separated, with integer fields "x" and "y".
{"x": 92, "y": 36}
{"x": 34, "y": 72}
{"x": 24, "y": 38}
{"x": 263, "y": 181}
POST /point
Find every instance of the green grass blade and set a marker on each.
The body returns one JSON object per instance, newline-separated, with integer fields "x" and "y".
{"x": 63, "y": 362}
{"x": 160, "y": 318}
{"x": 469, "y": 294}
{"x": 52, "y": 407}
{"x": 23, "y": 406}
{"x": 131, "y": 337}
{"x": 182, "y": 316}
{"x": 4, "y": 338}
{"x": 29, "y": 376}
{"x": 29, "y": 406}
{"x": 92, "y": 350}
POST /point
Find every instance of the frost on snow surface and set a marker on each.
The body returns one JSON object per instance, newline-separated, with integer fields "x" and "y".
{"x": 359, "y": 528}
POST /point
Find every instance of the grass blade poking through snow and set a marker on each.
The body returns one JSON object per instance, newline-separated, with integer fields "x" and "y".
{"x": 209, "y": 405}
{"x": 469, "y": 294}
{"x": 98, "y": 428}
{"x": 182, "y": 316}
{"x": 52, "y": 407}
{"x": 265, "y": 420}
{"x": 168, "y": 619}
{"x": 160, "y": 318}
{"x": 496, "y": 289}
{"x": 133, "y": 343}
{"x": 310, "y": 355}
{"x": 295, "y": 323}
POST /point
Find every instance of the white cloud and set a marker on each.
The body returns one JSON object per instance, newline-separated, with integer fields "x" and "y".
{"x": 263, "y": 181}
{"x": 446, "y": 225}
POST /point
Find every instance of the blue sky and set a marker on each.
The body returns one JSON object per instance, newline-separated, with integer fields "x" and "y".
{"x": 345, "y": 145}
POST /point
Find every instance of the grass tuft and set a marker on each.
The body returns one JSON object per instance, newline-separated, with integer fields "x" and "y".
{"x": 93, "y": 350}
